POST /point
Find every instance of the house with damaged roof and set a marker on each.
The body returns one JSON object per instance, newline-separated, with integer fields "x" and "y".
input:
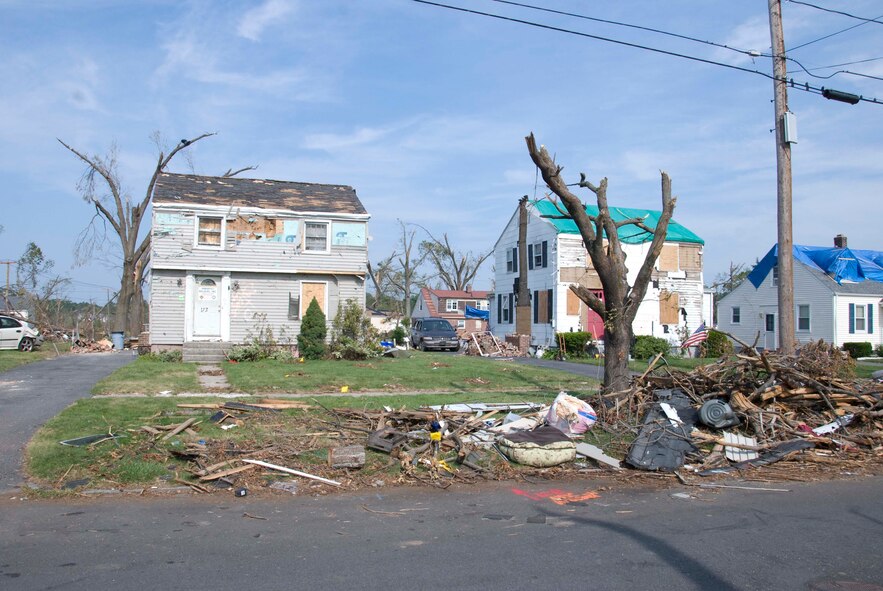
{"x": 838, "y": 297}
{"x": 232, "y": 256}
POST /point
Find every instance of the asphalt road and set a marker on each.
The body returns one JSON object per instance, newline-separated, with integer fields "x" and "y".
{"x": 488, "y": 537}
{"x": 34, "y": 393}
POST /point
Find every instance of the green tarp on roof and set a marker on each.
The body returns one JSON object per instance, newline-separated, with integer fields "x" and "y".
{"x": 629, "y": 234}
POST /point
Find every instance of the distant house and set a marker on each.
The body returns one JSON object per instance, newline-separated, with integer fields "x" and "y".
{"x": 557, "y": 258}
{"x": 230, "y": 256}
{"x": 451, "y": 305}
{"x": 838, "y": 295}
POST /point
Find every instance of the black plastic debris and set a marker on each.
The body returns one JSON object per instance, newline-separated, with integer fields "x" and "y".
{"x": 386, "y": 439}
{"x": 90, "y": 439}
{"x": 664, "y": 441}
{"x": 771, "y": 456}
{"x": 718, "y": 414}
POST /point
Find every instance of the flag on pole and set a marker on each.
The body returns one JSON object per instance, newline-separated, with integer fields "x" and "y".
{"x": 697, "y": 337}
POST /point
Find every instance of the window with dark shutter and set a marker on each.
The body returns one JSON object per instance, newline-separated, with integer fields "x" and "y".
{"x": 536, "y": 307}
{"x": 515, "y": 260}
{"x": 851, "y": 318}
{"x": 870, "y": 318}
{"x": 499, "y": 308}
{"x": 545, "y": 254}
{"x": 511, "y": 314}
{"x": 530, "y": 256}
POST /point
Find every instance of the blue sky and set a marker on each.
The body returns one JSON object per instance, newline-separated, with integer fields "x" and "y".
{"x": 424, "y": 110}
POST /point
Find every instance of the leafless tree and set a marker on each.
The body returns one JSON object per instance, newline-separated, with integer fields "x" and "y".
{"x": 102, "y": 188}
{"x": 403, "y": 268}
{"x": 455, "y": 269}
{"x": 601, "y": 239}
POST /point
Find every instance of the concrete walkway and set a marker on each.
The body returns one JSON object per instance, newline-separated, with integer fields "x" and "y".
{"x": 32, "y": 394}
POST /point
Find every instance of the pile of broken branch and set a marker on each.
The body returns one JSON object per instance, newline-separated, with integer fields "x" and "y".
{"x": 804, "y": 406}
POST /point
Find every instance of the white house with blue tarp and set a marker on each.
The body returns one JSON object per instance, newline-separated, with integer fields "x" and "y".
{"x": 838, "y": 293}
{"x": 557, "y": 258}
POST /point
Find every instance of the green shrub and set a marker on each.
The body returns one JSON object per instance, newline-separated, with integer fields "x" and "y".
{"x": 646, "y": 347}
{"x": 311, "y": 340}
{"x": 574, "y": 342}
{"x": 398, "y": 335}
{"x": 716, "y": 345}
{"x": 857, "y": 350}
{"x": 352, "y": 335}
{"x": 262, "y": 343}
{"x": 172, "y": 356}
{"x": 879, "y": 350}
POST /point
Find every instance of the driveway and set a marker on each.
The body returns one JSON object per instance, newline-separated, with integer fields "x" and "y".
{"x": 583, "y": 369}
{"x": 34, "y": 393}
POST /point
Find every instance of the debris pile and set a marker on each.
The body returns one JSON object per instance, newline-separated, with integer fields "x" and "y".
{"x": 88, "y": 346}
{"x": 485, "y": 344}
{"x": 753, "y": 408}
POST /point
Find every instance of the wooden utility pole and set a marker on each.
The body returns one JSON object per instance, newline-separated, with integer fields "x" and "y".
{"x": 783, "y": 183}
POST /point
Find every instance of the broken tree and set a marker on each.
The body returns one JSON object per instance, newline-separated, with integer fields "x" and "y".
{"x": 600, "y": 235}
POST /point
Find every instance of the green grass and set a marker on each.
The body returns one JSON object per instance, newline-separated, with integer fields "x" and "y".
{"x": 864, "y": 369}
{"x": 422, "y": 371}
{"x": 10, "y": 359}
{"x": 138, "y": 460}
{"x": 149, "y": 376}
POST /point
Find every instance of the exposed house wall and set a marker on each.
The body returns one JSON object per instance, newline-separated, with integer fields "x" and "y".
{"x": 871, "y": 333}
{"x": 167, "y": 301}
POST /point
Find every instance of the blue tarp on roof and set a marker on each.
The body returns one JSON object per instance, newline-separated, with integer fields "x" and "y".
{"x": 840, "y": 264}
{"x": 476, "y": 313}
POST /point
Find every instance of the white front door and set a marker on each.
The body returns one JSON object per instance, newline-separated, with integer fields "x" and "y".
{"x": 207, "y": 307}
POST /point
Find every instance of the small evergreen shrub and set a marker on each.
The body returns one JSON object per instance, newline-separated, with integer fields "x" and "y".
{"x": 857, "y": 350}
{"x": 311, "y": 340}
{"x": 574, "y": 342}
{"x": 646, "y": 347}
{"x": 172, "y": 356}
{"x": 398, "y": 335}
{"x": 352, "y": 335}
{"x": 716, "y": 345}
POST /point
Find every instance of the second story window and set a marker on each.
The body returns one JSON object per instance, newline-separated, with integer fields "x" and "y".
{"x": 315, "y": 237}
{"x": 452, "y": 305}
{"x": 776, "y": 276}
{"x": 210, "y": 231}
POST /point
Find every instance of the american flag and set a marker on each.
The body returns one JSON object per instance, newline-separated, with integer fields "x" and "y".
{"x": 697, "y": 337}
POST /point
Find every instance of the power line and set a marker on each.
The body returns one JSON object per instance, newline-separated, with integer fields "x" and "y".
{"x": 831, "y": 35}
{"x": 867, "y": 20}
{"x": 628, "y": 25}
{"x": 803, "y": 86}
{"x": 675, "y": 35}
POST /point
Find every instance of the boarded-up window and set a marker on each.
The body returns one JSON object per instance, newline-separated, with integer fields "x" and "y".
{"x": 572, "y": 304}
{"x": 308, "y": 292}
{"x": 668, "y": 307}
{"x": 668, "y": 258}
{"x": 209, "y": 231}
{"x": 690, "y": 257}
{"x": 542, "y": 299}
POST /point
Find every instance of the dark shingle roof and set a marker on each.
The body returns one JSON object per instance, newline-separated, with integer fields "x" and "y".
{"x": 266, "y": 194}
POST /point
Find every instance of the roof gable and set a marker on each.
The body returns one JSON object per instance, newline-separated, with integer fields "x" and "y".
{"x": 629, "y": 234}
{"x": 261, "y": 193}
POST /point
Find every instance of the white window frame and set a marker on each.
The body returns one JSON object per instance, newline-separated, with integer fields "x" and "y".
{"x": 452, "y": 305}
{"x": 461, "y": 324}
{"x": 775, "y": 275}
{"x": 808, "y": 318}
{"x": 505, "y": 310}
{"x": 327, "y": 248}
{"x": 510, "y": 260}
{"x": 482, "y": 305}
{"x": 864, "y": 318}
{"x": 538, "y": 255}
{"x": 736, "y": 315}
{"x": 198, "y": 244}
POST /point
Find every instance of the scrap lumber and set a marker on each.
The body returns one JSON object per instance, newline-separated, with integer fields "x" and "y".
{"x": 225, "y": 473}
{"x": 290, "y": 471}
{"x": 177, "y": 429}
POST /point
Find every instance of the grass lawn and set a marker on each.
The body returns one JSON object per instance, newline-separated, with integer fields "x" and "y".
{"x": 149, "y": 376}
{"x": 138, "y": 460}
{"x": 864, "y": 369}
{"x": 431, "y": 372}
{"x": 10, "y": 359}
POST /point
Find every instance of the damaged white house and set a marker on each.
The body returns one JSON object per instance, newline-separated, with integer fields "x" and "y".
{"x": 230, "y": 256}
{"x": 557, "y": 258}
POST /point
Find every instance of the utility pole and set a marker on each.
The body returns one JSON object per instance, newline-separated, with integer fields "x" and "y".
{"x": 783, "y": 184}
{"x": 522, "y": 294}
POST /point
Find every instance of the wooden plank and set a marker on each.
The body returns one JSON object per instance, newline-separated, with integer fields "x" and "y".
{"x": 179, "y": 428}
{"x": 290, "y": 471}
{"x": 225, "y": 473}
{"x": 597, "y": 454}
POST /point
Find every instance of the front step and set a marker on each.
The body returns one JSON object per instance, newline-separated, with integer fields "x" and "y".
{"x": 205, "y": 351}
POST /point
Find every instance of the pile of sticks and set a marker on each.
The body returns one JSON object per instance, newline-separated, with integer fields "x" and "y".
{"x": 779, "y": 397}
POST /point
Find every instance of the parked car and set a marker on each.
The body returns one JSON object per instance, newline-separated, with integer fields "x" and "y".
{"x": 434, "y": 333}
{"x": 18, "y": 334}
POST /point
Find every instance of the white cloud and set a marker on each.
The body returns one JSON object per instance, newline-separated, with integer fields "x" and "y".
{"x": 256, "y": 20}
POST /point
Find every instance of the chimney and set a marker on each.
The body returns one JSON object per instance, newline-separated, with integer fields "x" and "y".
{"x": 469, "y": 288}
{"x": 840, "y": 241}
